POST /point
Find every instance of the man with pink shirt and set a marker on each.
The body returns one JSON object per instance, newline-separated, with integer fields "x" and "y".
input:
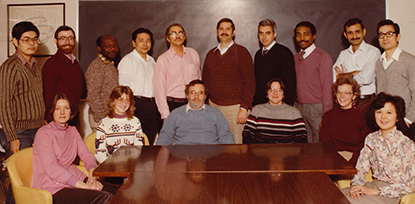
{"x": 173, "y": 70}
{"x": 314, "y": 72}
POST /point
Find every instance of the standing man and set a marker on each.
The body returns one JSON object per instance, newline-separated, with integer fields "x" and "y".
{"x": 358, "y": 61}
{"x": 174, "y": 69}
{"x": 195, "y": 123}
{"x": 62, "y": 73}
{"x": 273, "y": 60}
{"x": 101, "y": 78}
{"x": 229, "y": 76}
{"x": 136, "y": 71}
{"x": 21, "y": 92}
{"x": 395, "y": 72}
{"x": 314, "y": 69}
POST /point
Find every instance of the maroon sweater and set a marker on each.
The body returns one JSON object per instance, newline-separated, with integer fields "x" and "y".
{"x": 61, "y": 75}
{"x": 345, "y": 130}
{"x": 230, "y": 77}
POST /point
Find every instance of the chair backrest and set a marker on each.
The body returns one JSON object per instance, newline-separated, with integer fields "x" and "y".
{"x": 90, "y": 142}
{"x": 146, "y": 141}
{"x": 20, "y": 168}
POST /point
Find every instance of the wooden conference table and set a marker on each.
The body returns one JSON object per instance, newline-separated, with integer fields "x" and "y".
{"x": 309, "y": 157}
{"x": 259, "y": 173}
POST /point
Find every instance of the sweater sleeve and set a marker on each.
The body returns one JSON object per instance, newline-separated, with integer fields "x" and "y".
{"x": 248, "y": 77}
{"x": 290, "y": 78}
{"x": 44, "y": 147}
{"x": 50, "y": 76}
{"x": 8, "y": 77}
{"x": 94, "y": 77}
{"x": 410, "y": 111}
{"x": 326, "y": 81}
{"x": 224, "y": 133}
{"x": 325, "y": 136}
{"x": 100, "y": 143}
{"x": 139, "y": 139}
{"x": 167, "y": 132}
{"x": 84, "y": 154}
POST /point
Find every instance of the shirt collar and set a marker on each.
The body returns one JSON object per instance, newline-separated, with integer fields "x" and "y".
{"x": 394, "y": 56}
{"x": 223, "y": 51}
{"x": 171, "y": 53}
{"x": 309, "y": 50}
{"x": 362, "y": 47}
{"x": 391, "y": 134}
{"x": 105, "y": 60}
{"x": 70, "y": 56}
{"x": 270, "y": 46}
{"x": 139, "y": 56}
{"x": 189, "y": 108}
{"x": 24, "y": 61}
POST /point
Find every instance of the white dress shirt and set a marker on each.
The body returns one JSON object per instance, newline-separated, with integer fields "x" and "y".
{"x": 137, "y": 73}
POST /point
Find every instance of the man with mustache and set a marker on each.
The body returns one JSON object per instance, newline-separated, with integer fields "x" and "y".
{"x": 136, "y": 71}
{"x": 358, "y": 61}
{"x": 173, "y": 70}
{"x": 229, "y": 75}
{"x": 314, "y": 70}
{"x": 195, "y": 123}
{"x": 395, "y": 73}
{"x": 101, "y": 78}
{"x": 62, "y": 73}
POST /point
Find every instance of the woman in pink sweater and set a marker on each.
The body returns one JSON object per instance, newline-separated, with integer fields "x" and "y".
{"x": 54, "y": 149}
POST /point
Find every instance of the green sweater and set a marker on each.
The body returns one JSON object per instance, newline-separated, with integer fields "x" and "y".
{"x": 21, "y": 97}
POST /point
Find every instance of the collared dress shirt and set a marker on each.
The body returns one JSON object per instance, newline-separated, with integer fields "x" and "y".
{"x": 363, "y": 60}
{"x": 137, "y": 73}
{"x": 171, "y": 75}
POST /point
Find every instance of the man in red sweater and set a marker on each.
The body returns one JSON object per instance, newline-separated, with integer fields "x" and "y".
{"x": 62, "y": 73}
{"x": 228, "y": 72}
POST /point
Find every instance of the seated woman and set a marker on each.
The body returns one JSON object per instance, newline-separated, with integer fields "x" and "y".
{"x": 390, "y": 155}
{"x": 345, "y": 128}
{"x": 54, "y": 149}
{"x": 120, "y": 127}
{"x": 275, "y": 121}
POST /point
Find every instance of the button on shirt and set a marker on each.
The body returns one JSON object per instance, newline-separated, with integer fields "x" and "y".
{"x": 171, "y": 75}
{"x": 363, "y": 60}
{"x": 137, "y": 73}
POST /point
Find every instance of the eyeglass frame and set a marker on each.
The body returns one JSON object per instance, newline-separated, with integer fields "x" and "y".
{"x": 388, "y": 34}
{"x": 27, "y": 40}
{"x": 180, "y": 33}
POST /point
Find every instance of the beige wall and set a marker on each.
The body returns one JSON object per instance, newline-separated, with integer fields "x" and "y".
{"x": 402, "y": 12}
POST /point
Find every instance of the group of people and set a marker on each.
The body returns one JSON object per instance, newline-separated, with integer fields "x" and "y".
{"x": 140, "y": 97}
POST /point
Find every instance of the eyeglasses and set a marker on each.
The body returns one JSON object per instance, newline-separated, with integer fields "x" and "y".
{"x": 122, "y": 100}
{"x": 174, "y": 33}
{"x": 64, "y": 38}
{"x": 27, "y": 40}
{"x": 387, "y": 34}
{"x": 347, "y": 93}
{"x": 275, "y": 90}
{"x": 196, "y": 92}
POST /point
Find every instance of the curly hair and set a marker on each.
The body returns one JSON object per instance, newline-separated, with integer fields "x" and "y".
{"x": 345, "y": 80}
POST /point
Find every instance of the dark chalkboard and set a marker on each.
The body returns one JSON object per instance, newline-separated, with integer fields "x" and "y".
{"x": 199, "y": 18}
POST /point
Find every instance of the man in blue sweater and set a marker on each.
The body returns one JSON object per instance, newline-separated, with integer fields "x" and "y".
{"x": 195, "y": 123}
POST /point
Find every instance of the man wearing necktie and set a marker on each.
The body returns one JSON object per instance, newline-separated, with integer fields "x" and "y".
{"x": 273, "y": 60}
{"x": 314, "y": 72}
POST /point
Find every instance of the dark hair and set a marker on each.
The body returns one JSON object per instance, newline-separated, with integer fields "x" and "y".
{"x": 52, "y": 105}
{"x": 23, "y": 27}
{"x": 64, "y": 28}
{"x": 379, "y": 103}
{"x": 388, "y": 22}
{"x": 116, "y": 93}
{"x": 194, "y": 82}
{"x": 166, "y": 34}
{"x": 144, "y": 30}
{"x": 268, "y": 22}
{"x": 353, "y": 21}
{"x": 268, "y": 86}
{"x": 99, "y": 39}
{"x": 227, "y": 20}
{"x": 346, "y": 80}
{"x": 306, "y": 24}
